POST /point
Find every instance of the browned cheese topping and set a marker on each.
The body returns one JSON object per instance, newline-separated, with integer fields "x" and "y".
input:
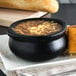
{"x": 37, "y": 27}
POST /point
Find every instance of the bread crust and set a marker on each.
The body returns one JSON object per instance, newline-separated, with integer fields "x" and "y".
{"x": 51, "y": 6}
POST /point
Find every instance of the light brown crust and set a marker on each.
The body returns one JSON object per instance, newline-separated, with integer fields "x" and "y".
{"x": 51, "y": 6}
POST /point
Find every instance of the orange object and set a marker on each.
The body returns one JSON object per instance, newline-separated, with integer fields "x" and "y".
{"x": 72, "y": 39}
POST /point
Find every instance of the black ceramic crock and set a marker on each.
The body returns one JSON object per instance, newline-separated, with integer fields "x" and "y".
{"x": 38, "y": 48}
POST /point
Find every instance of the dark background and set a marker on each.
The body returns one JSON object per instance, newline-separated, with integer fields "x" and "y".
{"x": 67, "y": 12}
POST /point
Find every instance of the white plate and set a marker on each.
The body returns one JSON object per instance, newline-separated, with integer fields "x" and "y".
{"x": 12, "y": 62}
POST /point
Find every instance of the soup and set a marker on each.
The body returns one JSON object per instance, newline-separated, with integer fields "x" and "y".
{"x": 37, "y": 27}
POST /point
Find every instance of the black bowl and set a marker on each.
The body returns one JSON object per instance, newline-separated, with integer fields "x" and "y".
{"x": 38, "y": 48}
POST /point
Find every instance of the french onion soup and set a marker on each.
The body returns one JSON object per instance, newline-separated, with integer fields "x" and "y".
{"x": 37, "y": 27}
